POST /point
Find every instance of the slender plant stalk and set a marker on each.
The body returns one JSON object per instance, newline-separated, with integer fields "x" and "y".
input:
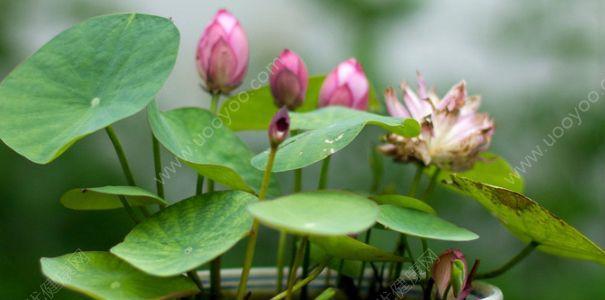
{"x": 425, "y": 248}
{"x": 215, "y": 278}
{"x": 157, "y": 164}
{"x": 124, "y": 162}
{"x": 298, "y": 180}
{"x": 199, "y": 185}
{"x": 304, "y": 292}
{"x": 129, "y": 209}
{"x": 297, "y": 261}
{"x": 400, "y": 250}
{"x": 196, "y": 279}
{"x": 281, "y": 253}
{"x": 251, "y": 245}
{"x": 214, "y": 103}
{"x": 215, "y": 265}
{"x": 511, "y": 263}
{"x": 416, "y": 181}
{"x": 432, "y": 183}
{"x": 312, "y": 275}
{"x": 323, "y": 176}
{"x": 121, "y": 155}
{"x": 402, "y": 244}
{"x": 283, "y": 235}
{"x": 363, "y": 264}
{"x": 321, "y": 185}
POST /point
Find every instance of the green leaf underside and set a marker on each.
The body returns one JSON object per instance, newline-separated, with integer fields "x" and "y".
{"x": 404, "y": 201}
{"x": 188, "y": 234}
{"x": 350, "y": 268}
{"x": 253, "y": 109}
{"x": 328, "y": 138}
{"x": 201, "y": 140}
{"x": 86, "y": 78}
{"x": 345, "y": 247}
{"x": 421, "y": 224}
{"x": 529, "y": 221}
{"x": 108, "y": 197}
{"x": 101, "y": 275}
{"x": 490, "y": 169}
{"x": 326, "y": 213}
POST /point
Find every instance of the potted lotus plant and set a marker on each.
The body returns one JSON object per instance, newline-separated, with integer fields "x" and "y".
{"x": 110, "y": 67}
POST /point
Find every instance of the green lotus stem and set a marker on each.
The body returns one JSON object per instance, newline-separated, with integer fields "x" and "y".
{"x": 121, "y": 155}
{"x": 511, "y": 263}
{"x": 215, "y": 278}
{"x": 413, "y": 260}
{"x": 199, "y": 185}
{"x": 402, "y": 245}
{"x": 297, "y": 260}
{"x": 214, "y": 103}
{"x": 321, "y": 185}
{"x": 196, "y": 279}
{"x": 215, "y": 265}
{"x": 157, "y": 164}
{"x": 251, "y": 245}
{"x": 297, "y": 180}
{"x": 416, "y": 181}
{"x": 323, "y": 176}
{"x": 129, "y": 209}
{"x": 281, "y": 253}
{"x": 304, "y": 292}
{"x": 432, "y": 183}
{"x": 123, "y": 162}
{"x": 283, "y": 236}
{"x": 363, "y": 264}
{"x": 312, "y": 275}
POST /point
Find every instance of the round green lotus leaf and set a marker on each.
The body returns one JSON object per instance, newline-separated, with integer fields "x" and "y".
{"x": 108, "y": 197}
{"x": 421, "y": 224}
{"x": 317, "y": 213}
{"x": 188, "y": 234}
{"x": 86, "y": 78}
{"x": 101, "y": 275}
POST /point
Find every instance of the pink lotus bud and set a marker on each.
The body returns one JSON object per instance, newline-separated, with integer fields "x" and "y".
{"x": 289, "y": 79}
{"x": 450, "y": 269}
{"x": 279, "y": 127}
{"x": 222, "y": 53}
{"x": 346, "y": 85}
{"x": 442, "y": 270}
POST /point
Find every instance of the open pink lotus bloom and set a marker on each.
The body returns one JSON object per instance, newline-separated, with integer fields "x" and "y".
{"x": 222, "y": 53}
{"x": 289, "y": 80}
{"x": 453, "y": 132}
{"x": 346, "y": 85}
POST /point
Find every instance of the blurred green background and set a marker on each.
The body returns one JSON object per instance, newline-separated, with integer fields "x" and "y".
{"x": 532, "y": 61}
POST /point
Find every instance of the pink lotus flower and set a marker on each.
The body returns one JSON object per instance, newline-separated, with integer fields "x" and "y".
{"x": 222, "y": 53}
{"x": 453, "y": 132}
{"x": 279, "y": 127}
{"x": 346, "y": 85}
{"x": 289, "y": 80}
